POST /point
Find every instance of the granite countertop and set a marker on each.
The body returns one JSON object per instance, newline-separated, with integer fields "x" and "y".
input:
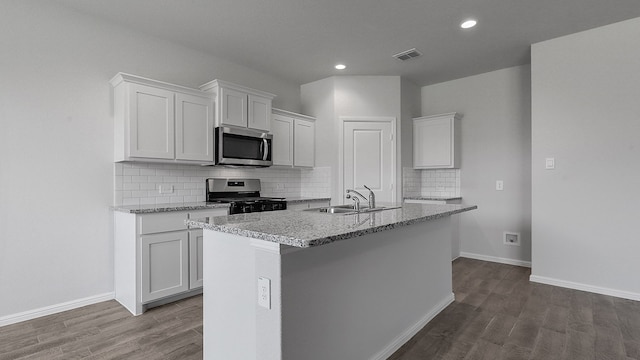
{"x": 156, "y": 208}
{"x": 200, "y": 205}
{"x": 307, "y": 228}
{"x": 438, "y": 198}
{"x": 305, "y": 199}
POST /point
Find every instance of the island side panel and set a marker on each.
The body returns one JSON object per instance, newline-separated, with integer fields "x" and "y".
{"x": 229, "y": 314}
{"x": 362, "y": 298}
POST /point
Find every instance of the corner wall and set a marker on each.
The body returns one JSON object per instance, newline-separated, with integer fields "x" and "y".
{"x": 329, "y": 99}
{"x": 56, "y": 145}
{"x": 496, "y": 145}
{"x": 586, "y": 103}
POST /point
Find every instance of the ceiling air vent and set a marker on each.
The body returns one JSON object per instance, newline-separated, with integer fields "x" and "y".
{"x": 407, "y": 55}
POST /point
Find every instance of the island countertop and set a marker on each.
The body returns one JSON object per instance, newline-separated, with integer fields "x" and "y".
{"x": 307, "y": 228}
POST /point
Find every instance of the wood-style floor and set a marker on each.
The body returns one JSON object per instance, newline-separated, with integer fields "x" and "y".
{"x": 498, "y": 314}
{"x": 108, "y": 331}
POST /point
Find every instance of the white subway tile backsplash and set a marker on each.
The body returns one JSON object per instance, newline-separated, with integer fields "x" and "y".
{"x": 445, "y": 183}
{"x": 139, "y": 183}
{"x": 131, "y": 171}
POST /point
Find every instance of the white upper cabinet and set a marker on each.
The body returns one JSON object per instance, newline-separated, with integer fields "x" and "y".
{"x": 282, "y": 143}
{"x": 151, "y": 119}
{"x": 304, "y": 143}
{"x": 194, "y": 128}
{"x": 240, "y": 106}
{"x": 157, "y": 121}
{"x": 293, "y": 139}
{"x": 259, "y": 112}
{"x": 436, "y": 141}
{"x": 233, "y": 107}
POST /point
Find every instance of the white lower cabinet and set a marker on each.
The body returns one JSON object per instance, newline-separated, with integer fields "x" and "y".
{"x": 157, "y": 259}
{"x": 165, "y": 260}
{"x": 195, "y": 258}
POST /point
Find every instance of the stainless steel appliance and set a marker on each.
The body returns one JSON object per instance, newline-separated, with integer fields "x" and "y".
{"x": 243, "y": 195}
{"x": 242, "y": 147}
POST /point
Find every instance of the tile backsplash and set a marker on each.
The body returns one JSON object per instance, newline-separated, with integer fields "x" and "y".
{"x": 443, "y": 183}
{"x": 141, "y": 183}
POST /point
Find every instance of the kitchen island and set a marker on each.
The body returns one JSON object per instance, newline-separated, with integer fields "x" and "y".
{"x": 311, "y": 285}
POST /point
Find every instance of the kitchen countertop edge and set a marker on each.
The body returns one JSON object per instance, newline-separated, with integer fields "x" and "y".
{"x": 323, "y": 240}
{"x": 158, "y": 208}
{"x": 436, "y": 198}
{"x": 306, "y": 199}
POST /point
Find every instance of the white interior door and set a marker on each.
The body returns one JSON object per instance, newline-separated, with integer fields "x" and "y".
{"x": 368, "y": 154}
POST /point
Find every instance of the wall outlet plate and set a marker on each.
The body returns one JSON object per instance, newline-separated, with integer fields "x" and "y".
{"x": 511, "y": 238}
{"x": 264, "y": 292}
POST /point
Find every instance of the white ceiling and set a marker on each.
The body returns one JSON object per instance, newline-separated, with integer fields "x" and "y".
{"x": 301, "y": 40}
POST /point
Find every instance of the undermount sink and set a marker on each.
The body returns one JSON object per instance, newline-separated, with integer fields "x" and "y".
{"x": 349, "y": 210}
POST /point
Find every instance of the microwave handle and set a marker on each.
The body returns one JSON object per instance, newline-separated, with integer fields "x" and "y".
{"x": 265, "y": 149}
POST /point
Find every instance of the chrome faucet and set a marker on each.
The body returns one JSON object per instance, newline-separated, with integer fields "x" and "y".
{"x": 356, "y": 198}
{"x": 372, "y": 198}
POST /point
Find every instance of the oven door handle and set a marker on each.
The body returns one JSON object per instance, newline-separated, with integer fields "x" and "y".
{"x": 265, "y": 149}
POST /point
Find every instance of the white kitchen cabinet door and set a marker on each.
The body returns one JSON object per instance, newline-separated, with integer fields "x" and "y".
{"x": 195, "y": 245}
{"x": 436, "y": 142}
{"x": 233, "y": 107}
{"x": 195, "y": 258}
{"x": 165, "y": 265}
{"x": 304, "y": 143}
{"x": 194, "y": 128}
{"x": 259, "y": 113}
{"x": 151, "y": 122}
{"x": 282, "y": 143}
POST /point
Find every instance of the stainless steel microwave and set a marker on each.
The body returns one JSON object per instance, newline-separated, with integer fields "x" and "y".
{"x": 243, "y": 147}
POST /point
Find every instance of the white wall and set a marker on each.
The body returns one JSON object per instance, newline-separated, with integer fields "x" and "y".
{"x": 496, "y": 145}
{"x": 56, "y": 167}
{"x": 585, "y": 105}
{"x": 329, "y": 99}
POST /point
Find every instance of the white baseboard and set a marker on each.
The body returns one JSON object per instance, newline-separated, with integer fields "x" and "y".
{"x": 53, "y": 309}
{"x": 410, "y": 332}
{"x": 496, "y": 259}
{"x": 585, "y": 287}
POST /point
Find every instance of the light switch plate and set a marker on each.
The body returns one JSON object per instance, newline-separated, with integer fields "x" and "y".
{"x": 499, "y": 185}
{"x": 264, "y": 292}
{"x": 550, "y": 163}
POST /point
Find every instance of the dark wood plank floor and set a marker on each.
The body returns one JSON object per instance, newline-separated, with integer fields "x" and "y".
{"x": 498, "y": 314}
{"x": 108, "y": 331}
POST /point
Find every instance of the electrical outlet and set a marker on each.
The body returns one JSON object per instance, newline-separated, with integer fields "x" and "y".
{"x": 499, "y": 185}
{"x": 165, "y": 189}
{"x": 511, "y": 238}
{"x": 264, "y": 292}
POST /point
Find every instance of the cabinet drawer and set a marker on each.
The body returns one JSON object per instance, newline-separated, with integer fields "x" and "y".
{"x": 199, "y": 214}
{"x": 161, "y": 222}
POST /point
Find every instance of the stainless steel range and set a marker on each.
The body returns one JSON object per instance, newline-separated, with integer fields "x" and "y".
{"x": 243, "y": 195}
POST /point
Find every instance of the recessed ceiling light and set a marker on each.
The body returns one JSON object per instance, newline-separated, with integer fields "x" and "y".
{"x": 341, "y": 67}
{"x": 468, "y": 24}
